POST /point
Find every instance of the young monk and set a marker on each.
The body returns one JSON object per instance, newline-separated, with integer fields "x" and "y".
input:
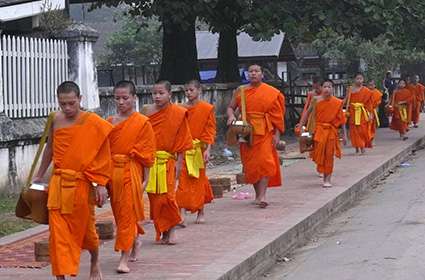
{"x": 173, "y": 138}
{"x": 421, "y": 90}
{"x": 329, "y": 116}
{"x": 418, "y": 92}
{"x": 133, "y": 153}
{"x": 194, "y": 188}
{"x": 315, "y": 91}
{"x": 401, "y": 103}
{"x": 376, "y": 99}
{"x": 265, "y": 107}
{"x": 78, "y": 146}
{"x": 360, "y": 104}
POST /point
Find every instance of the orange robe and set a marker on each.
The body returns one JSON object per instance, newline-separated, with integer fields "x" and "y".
{"x": 265, "y": 107}
{"x": 173, "y": 136}
{"x": 418, "y": 93}
{"x": 133, "y": 148}
{"x": 329, "y": 117}
{"x": 360, "y": 134}
{"x": 376, "y": 100}
{"x": 412, "y": 106}
{"x": 307, "y": 103}
{"x": 81, "y": 155}
{"x": 194, "y": 192}
{"x": 401, "y": 96}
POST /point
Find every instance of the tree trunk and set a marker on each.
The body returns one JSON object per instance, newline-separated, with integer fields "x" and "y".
{"x": 179, "y": 53}
{"x": 228, "y": 69}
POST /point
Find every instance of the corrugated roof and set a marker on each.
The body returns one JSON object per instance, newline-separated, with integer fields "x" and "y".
{"x": 4, "y": 3}
{"x": 207, "y": 43}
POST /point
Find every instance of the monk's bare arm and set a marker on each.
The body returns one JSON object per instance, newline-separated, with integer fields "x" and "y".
{"x": 231, "y": 115}
{"x": 46, "y": 159}
{"x": 179, "y": 164}
{"x": 146, "y": 172}
{"x": 207, "y": 153}
{"x": 305, "y": 116}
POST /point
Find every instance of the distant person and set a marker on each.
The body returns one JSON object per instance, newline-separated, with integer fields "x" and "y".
{"x": 359, "y": 104}
{"x": 329, "y": 117}
{"x": 389, "y": 85}
{"x": 418, "y": 90}
{"x": 315, "y": 91}
{"x": 377, "y": 99}
{"x": 401, "y": 102}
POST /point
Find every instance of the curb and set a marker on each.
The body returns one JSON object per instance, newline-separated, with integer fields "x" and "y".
{"x": 262, "y": 260}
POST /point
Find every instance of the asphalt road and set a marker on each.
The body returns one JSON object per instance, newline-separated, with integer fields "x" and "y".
{"x": 381, "y": 237}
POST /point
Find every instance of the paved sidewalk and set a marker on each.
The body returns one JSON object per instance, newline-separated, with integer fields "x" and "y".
{"x": 240, "y": 240}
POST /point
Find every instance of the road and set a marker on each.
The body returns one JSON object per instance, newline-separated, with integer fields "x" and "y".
{"x": 381, "y": 237}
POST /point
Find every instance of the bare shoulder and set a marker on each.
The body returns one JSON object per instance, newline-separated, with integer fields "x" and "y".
{"x": 148, "y": 110}
{"x": 59, "y": 119}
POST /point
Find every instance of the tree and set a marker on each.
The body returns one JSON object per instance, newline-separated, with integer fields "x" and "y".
{"x": 378, "y": 54}
{"x": 179, "y": 53}
{"x": 136, "y": 42}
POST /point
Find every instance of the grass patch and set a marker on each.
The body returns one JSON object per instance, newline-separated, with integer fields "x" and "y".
{"x": 9, "y": 223}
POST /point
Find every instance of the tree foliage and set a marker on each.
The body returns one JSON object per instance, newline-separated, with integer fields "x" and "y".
{"x": 386, "y": 24}
{"x": 378, "y": 54}
{"x": 137, "y": 42}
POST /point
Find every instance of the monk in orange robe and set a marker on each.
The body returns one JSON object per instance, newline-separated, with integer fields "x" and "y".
{"x": 402, "y": 100}
{"x": 329, "y": 116}
{"x": 194, "y": 188}
{"x": 265, "y": 109}
{"x": 310, "y": 95}
{"x": 173, "y": 138}
{"x": 79, "y": 148}
{"x": 417, "y": 90}
{"x": 133, "y": 153}
{"x": 376, "y": 99}
{"x": 360, "y": 104}
{"x": 421, "y": 90}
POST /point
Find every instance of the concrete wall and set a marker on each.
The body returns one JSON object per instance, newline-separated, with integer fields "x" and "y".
{"x": 19, "y": 137}
{"x": 217, "y": 94}
{"x": 18, "y": 144}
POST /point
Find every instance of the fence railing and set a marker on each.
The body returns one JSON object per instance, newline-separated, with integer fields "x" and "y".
{"x": 30, "y": 71}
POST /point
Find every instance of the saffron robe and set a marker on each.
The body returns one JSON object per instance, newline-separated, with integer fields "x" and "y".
{"x": 172, "y": 135}
{"x": 81, "y": 155}
{"x": 418, "y": 93}
{"x": 329, "y": 117}
{"x": 360, "y": 133}
{"x": 401, "y": 96}
{"x": 309, "y": 98}
{"x": 265, "y": 107}
{"x": 133, "y": 148}
{"x": 376, "y": 101}
{"x": 194, "y": 192}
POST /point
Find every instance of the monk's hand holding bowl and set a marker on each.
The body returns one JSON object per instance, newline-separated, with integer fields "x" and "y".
{"x": 276, "y": 138}
{"x": 37, "y": 180}
{"x": 101, "y": 195}
{"x": 207, "y": 155}
{"x": 231, "y": 119}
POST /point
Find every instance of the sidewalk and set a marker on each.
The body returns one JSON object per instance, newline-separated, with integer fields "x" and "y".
{"x": 239, "y": 241}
